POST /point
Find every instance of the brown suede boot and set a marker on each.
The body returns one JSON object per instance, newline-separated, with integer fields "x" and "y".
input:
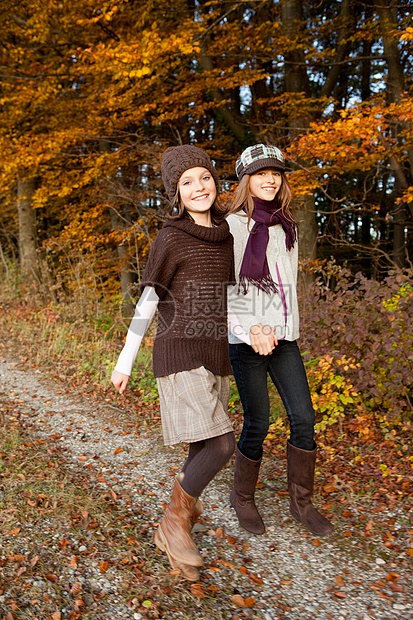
{"x": 198, "y": 507}
{"x": 300, "y": 473}
{"x": 188, "y": 572}
{"x": 242, "y": 495}
{"x": 191, "y": 572}
{"x": 196, "y": 513}
{"x": 174, "y": 533}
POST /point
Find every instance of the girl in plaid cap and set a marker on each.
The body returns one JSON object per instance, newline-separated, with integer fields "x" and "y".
{"x": 189, "y": 267}
{"x": 265, "y": 303}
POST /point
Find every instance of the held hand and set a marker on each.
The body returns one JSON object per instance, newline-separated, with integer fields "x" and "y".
{"x": 120, "y": 381}
{"x": 263, "y": 339}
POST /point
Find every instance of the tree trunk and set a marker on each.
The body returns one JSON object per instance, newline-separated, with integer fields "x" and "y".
{"x": 395, "y": 89}
{"x": 388, "y": 25}
{"x": 222, "y": 109}
{"x": 125, "y": 274}
{"x": 399, "y": 236}
{"x": 342, "y": 49}
{"x": 296, "y": 80}
{"x": 27, "y": 231}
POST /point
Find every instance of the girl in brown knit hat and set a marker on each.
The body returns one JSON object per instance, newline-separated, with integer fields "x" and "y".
{"x": 189, "y": 267}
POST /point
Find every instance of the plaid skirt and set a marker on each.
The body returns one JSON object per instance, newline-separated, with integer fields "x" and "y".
{"x": 194, "y": 406}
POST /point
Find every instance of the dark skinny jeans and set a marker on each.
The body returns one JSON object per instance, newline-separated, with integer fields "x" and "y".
{"x": 286, "y": 369}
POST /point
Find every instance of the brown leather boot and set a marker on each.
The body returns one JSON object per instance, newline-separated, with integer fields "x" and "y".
{"x": 242, "y": 495}
{"x": 188, "y": 572}
{"x": 198, "y": 510}
{"x": 198, "y": 507}
{"x": 174, "y": 533}
{"x": 300, "y": 473}
{"x": 191, "y": 572}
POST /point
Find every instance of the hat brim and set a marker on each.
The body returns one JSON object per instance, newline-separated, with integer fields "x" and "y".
{"x": 261, "y": 164}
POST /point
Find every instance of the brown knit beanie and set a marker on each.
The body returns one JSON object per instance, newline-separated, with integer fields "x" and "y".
{"x": 177, "y": 159}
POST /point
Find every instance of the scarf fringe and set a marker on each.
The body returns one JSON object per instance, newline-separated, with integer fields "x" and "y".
{"x": 265, "y": 284}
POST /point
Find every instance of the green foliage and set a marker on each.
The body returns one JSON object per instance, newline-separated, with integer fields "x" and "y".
{"x": 142, "y": 378}
{"x": 332, "y": 394}
{"x": 361, "y": 340}
{"x": 234, "y": 405}
{"x": 357, "y": 334}
{"x": 73, "y": 336}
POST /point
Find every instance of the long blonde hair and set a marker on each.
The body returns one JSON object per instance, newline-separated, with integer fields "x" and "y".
{"x": 243, "y": 199}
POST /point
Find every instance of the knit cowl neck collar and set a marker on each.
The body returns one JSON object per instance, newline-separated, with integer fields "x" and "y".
{"x": 215, "y": 234}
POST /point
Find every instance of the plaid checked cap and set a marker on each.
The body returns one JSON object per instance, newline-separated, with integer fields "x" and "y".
{"x": 258, "y": 157}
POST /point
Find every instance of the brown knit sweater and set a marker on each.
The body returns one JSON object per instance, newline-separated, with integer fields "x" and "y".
{"x": 190, "y": 267}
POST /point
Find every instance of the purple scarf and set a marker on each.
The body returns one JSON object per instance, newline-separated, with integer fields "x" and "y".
{"x": 254, "y": 268}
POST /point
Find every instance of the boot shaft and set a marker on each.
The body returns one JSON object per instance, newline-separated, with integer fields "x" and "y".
{"x": 242, "y": 495}
{"x": 300, "y": 469}
{"x": 300, "y": 472}
{"x": 245, "y": 476}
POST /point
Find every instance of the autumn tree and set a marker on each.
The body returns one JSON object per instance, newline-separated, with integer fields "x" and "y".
{"x": 92, "y": 93}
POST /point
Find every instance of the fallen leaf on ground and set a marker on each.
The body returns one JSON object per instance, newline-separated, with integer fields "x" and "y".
{"x": 142, "y": 452}
{"x": 226, "y": 563}
{"x": 238, "y": 600}
{"x": 231, "y": 539}
{"x": 339, "y": 581}
{"x": 76, "y": 588}
{"x": 255, "y": 579}
{"x": 63, "y": 543}
{"x": 197, "y": 589}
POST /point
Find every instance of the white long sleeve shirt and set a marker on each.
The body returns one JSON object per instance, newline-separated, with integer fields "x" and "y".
{"x": 144, "y": 313}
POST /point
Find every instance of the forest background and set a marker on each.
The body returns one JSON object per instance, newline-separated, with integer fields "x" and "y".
{"x": 92, "y": 93}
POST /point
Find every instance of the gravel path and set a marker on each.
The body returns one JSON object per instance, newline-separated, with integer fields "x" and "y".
{"x": 343, "y": 576}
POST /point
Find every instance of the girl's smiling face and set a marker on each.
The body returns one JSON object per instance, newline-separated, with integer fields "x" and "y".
{"x": 198, "y": 192}
{"x": 265, "y": 184}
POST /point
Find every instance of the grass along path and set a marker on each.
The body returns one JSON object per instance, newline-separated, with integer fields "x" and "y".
{"x": 83, "y": 487}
